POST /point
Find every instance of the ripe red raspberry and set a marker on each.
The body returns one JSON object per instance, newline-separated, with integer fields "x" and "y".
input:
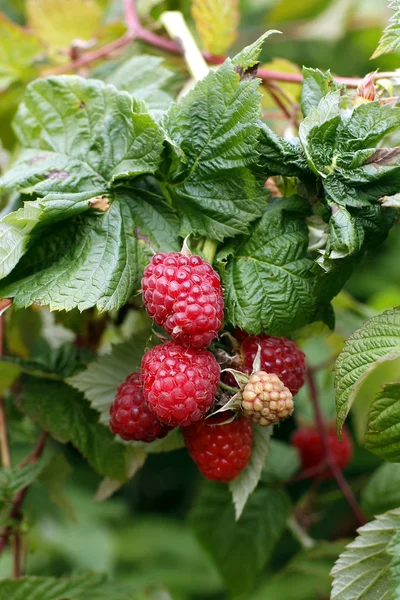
{"x": 309, "y": 444}
{"x": 179, "y": 383}
{"x": 279, "y": 356}
{"x": 183, "y": 294}
{"x": 220, "y": 452}
{"x": 131, "y": 418}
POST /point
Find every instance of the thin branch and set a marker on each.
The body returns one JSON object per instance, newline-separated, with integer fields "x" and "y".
{"x": 36, "y": 452}
{"x": 15, "y": 512}
{"x": 5, "y": 450}
{"x": 329, "y": 458}
{"x": 131, "y": 16}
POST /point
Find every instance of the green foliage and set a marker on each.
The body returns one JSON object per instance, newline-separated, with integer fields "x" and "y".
{"x": 377, "y": 341}
{"x": 70, "y": 419}
{"x": 370, "y": 563}
{"x": 13, "y": 481}
{"x": 390, "y": 40}
{"x": 382, "y": 436}
{"x": 382, "y": 492}
{"x": 258, "y": 530}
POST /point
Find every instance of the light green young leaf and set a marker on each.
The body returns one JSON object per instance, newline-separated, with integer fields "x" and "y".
{"x": 258, "y": 531}
{"x": 363, "y": 570}
{"x": 245, "y": 484}
{"x": 268, "y": 278}
{"x": 390, "y": 40}
{"x": 315, "y": 86}
{"x": 144, "y": 78}
{"x": 213, "y": 137}
{"x": 248, "y": 57}
{"x": 377, "y": 341}
{"x": 71, "y": 419}
{"x": 383, "y": 430}
{"x": 13, "y": 481}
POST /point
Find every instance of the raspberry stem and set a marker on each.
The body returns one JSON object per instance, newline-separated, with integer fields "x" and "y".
{"x": 209, "y": 250}
{"x": 228, "y": 388}
{"x": 337, "y": 473}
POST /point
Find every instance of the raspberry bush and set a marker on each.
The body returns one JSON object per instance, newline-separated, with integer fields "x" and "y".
{"x": 194, "y": 297}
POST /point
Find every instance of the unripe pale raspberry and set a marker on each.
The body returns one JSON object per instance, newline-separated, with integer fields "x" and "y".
{"x": 183, "y": 294}
{"x": 308, "y": 441}
{"x": 277, "y": 355}
{"x": 266, "y": 400}
{"x": 131, "y": 418}
{"x": 220, "y": 452}
{"x": 179, "y": 383}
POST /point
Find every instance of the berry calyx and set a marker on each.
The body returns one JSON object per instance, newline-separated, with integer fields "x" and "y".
{"x": 183, "y": 294}
{"x": 266, "y": 400}
{"x": 308, "y": 441}
{"x": 179, "y": 383}
{"x": 220, "y": 451}
{"x": 277, "y": 355}
{"x": 131, "y": 418}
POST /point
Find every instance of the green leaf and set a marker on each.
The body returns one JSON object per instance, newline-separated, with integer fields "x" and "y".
{"x": 363, "y": 569}
{"x": 390, "y": 40}
{"x": 213, "y": 137}
{"x": 282, "y": 462}
{"x": 100, "y": 381}
{"x": 394, "y": 551}
{"x": 367, "y": 125}
{"x": 382, "y": 435}
{"x": 268, "y": 278}
{"x": 377, "y": 341}
{"x": 286, "y": 10}
{"x": 281, "y": 157}
{"x": 97, "y": 259}
{"x": 143, "y": 77}
{"x": 18, "y": 51}
{"x": 8, "y": 375}
{"x": 13, "y": 481}
{"x": 92, "y": 138}
{"x": 248, "y": 57}
{"x": 70, "y": 419}
{"x": 53, "y": 478}
{"x": 258, "y": 531}
{"x": 382, "y": 491}
{"x": 245, "y": 484}
{"x": 50, "y": 588}
{"x": 315, "y": 86}
{"x": 305, "y": 577}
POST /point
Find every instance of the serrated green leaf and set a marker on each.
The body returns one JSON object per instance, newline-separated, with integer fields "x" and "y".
{"x": 394, "y": 551}
{"x": 382, "y": 435}
{"x": 377, "y": 341}
{"x": 71, "y": 419}
{"x": 390, "y": 40}
{"x": 100, "y": 381}
{"x": 367, "y": 125}
{"x": 50, "y": 588}
{"x": 216, "y": 23}
{"x": 97, "y": 259}
{"x": 268, "y": 278}
{"x": 281, "y": 157}
{"x": 245, "y": 484}
{"x": 13, "y": 481}
{"x": 382, "y": 491}
{"x": 92, "y": 138}
{"x": 248, "y": 57}
{"x": 315, "y": 86}
{"x": 214, "y": 129}
{"x": 258, "y": 531}
{"x": 144, "y": 78}
{"x": 363, "y": 570}
{"x": 19, "y": 50}
{"x": 317, "y": 133}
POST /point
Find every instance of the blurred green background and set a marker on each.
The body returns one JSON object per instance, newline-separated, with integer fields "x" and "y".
{"x": 141, "y": 535}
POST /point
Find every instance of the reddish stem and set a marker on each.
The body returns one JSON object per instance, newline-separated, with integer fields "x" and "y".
{"x": 5, "y": 450}
{"x": 329, "y": 458}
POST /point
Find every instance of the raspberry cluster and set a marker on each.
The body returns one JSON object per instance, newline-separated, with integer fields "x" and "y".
{"x": 178, "y": 380}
